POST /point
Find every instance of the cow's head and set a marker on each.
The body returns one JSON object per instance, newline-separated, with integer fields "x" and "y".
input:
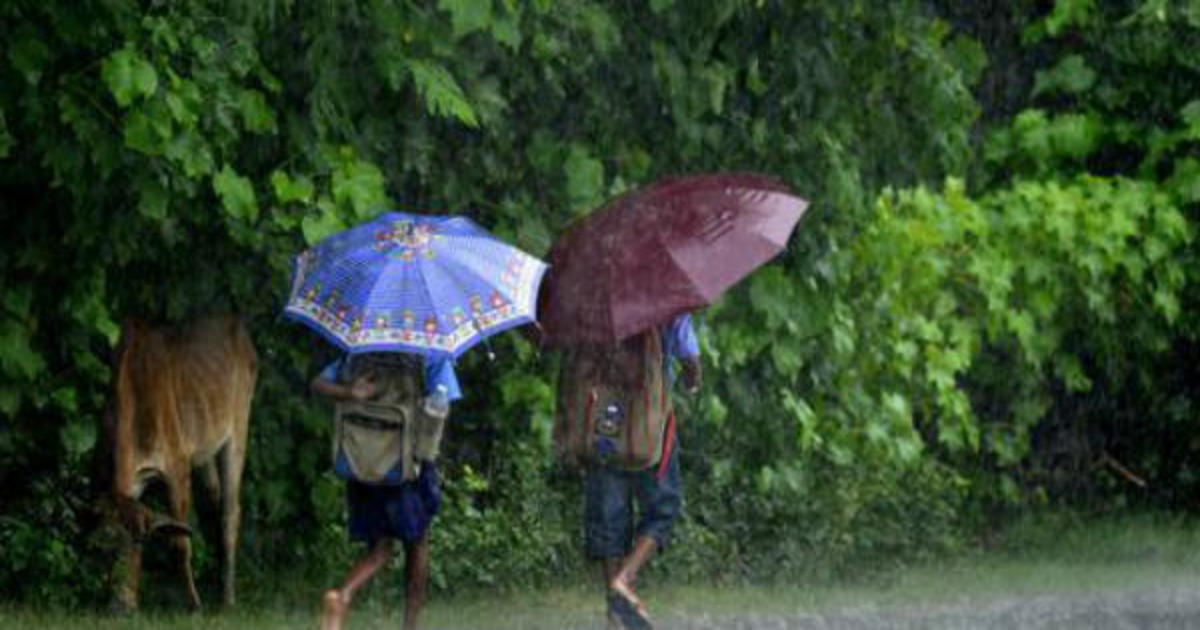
{"x": 131, "y": 520}
{"x": 126, "y": 524}
{"x": 145, "y": 522}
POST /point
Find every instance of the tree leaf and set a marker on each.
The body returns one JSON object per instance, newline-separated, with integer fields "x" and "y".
{"x": 185, "y": 103}
{"x": 17, "y": 356}
{"x": 153, "y": 198}
{"x": 1068, "y": 13}
{"x": 1075, "y": 135}
{"x": 258, "y": 116}
{"x": 141, "y": 134}
{"x": 1185, "y": 180}
{"x": 1071, "y": 75}
{"x": 545, "y": 151}
{"x": 807, "y": 435}
{"x": 191, "y": 150}
{"x": 325, "y": 222}
{"x": 78, "y": 437}
{"x": 358, "y": 185}
{"x": 128, "y": 76}
{"x": 29, "y": 56}
{"x": 507, "y": 31}
{"x": 718, "y": 79}
{"x": 237, "y": 195}
{"x": 442, "y": 94}
{"x": 467, "y": 16}
{"x": 585, "y": 179}
{"x": 600, "y": 25}
{"x": 754, "y": 79}
{"x": 771, "y": 294}
{"x": 88, "y": 308}
{"x": 1191, "y": 117}
{"x": 288, "y": 190}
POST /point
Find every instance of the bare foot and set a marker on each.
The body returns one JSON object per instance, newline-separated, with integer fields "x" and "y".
{"x": 333, "y": 610}
{"x": 623, "y": 597}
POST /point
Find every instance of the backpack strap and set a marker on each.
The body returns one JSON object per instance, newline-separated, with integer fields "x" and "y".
{"x": 668, "y": 447}
{"x": 587, "y": 413}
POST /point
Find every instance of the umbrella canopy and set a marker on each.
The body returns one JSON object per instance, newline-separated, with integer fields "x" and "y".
{"x": 430, "y": 285}
{"x": 656, "y": 252}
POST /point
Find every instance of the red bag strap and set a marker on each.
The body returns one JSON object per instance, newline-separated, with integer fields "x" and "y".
{"x": 668, "y": 447}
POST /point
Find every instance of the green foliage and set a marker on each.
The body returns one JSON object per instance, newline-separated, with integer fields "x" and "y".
{"x": 441, "y": 92}
{"x": 1113, "y": 94}
{"x": 236, "y": 194}
{"x": 1059, "y": 287}
{"x": 505, "y": 522}
{"x": 45, "y": 545}
{"x": 128, "y": 76}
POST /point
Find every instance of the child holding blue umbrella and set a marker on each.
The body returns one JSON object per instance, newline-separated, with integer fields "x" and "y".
{"x": 389, "y": 291}
{"x": 388, "y": 429}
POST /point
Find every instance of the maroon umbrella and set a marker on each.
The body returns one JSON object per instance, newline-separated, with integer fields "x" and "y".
{"x": 656, "y": 252}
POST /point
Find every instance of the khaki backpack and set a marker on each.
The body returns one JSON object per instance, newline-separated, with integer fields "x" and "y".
{"x": 383, "y": 441}
{"x": 613, "y": 406}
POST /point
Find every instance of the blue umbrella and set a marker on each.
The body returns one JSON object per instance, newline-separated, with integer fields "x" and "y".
{"x": 431, "y": 285}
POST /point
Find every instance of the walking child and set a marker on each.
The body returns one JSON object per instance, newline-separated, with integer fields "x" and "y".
{"x": 388, "y": 427}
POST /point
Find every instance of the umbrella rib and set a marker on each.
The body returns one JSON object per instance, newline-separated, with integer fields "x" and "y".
{"x": 611, "y": 312}
{"x": 662, "y": 246}
{"x": 381, "y": 287}
{"x": 457, "y": 280}
{"x": 429, "y": 297}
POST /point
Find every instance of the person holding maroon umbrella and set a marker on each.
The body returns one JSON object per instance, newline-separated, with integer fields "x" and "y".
{"x": 616, "y": 300}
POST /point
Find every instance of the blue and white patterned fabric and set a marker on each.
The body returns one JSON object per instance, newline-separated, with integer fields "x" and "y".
{"x": 430, "y": 285}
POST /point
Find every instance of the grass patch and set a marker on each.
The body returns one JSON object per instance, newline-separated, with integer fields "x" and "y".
{"x": 1047, "y": 554}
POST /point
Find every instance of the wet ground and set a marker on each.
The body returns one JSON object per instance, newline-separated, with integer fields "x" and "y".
{"x": 1118, "y": 609}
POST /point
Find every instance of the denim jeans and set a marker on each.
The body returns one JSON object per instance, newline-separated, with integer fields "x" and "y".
{"x": 609, "y": 497}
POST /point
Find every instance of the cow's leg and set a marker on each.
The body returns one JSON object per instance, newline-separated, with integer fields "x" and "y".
{"x": 127, "y": 569}
{"x": 233, "y": 459}
{"x": 212, "y": 482}
{"x": 179, "y": 489}
{"x": 127, "y": 576}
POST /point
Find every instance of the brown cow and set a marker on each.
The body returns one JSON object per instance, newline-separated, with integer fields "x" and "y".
{"x": 181, "y": 401}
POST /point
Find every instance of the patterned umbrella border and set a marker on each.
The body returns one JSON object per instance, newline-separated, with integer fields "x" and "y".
{"x": 338, "y": 332}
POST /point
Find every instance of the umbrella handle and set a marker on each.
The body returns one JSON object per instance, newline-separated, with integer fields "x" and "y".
{"x": 486, "y": 342}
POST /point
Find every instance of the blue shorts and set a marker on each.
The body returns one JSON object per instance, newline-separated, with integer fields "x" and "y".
{"x": 402, "y": 512}
{"x": 609, "y": 495}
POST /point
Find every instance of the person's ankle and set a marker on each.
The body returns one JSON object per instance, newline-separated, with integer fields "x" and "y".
{"x": 338, "y": 596}
{"x": 621, "y": 581}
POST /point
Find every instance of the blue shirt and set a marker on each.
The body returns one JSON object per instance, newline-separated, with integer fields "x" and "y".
{"x": 679, "y": 342}
{"x": 437, "y": 372}
{"x": 679, "y": 338}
